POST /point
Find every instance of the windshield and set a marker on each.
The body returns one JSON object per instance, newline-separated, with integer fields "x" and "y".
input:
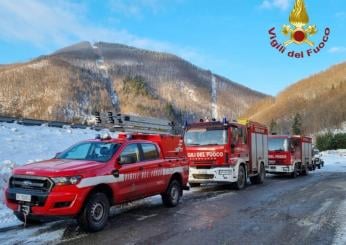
{"x": 205, "y": 137}
{"x": 278, "y": 144}
{"x": 92, "y": 151}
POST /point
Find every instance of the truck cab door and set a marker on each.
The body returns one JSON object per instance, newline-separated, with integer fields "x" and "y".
{"x": 153, "y": 180}
{"x": 129, "y": 173}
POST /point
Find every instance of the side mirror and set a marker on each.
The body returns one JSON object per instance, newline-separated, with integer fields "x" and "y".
{"x": 125, "y": 160}
{"x": 232, "y": 148}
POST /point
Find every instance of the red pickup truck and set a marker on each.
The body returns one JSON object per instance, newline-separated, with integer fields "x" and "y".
{"x": 89, "y": 177}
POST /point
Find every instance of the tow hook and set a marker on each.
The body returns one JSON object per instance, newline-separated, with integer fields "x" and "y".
{"x": 25, "y": 210}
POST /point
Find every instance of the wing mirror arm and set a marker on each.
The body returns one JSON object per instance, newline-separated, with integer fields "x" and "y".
{"x": 232, "y": 148}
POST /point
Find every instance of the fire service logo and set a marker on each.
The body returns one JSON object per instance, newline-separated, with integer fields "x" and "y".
{"x": 299, "y": 32}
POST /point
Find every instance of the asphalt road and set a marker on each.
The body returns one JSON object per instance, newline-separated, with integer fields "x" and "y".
{"x": 306, "y": 210}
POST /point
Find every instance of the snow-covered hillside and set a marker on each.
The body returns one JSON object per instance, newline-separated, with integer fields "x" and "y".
{"x": 25, "y": 144}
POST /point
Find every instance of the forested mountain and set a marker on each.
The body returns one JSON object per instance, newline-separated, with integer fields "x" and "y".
{"x": 320, "y": 100}
{"x": 75, "y": 81}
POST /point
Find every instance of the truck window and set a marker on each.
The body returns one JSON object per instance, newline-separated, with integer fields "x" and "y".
{"x": 243, "y": 135}
{"x": 205, "y": 136}
{"x": 235, "y": 135}
{"x": 278, "y": 144}
{"x": 149, "y": 152}
{"x": 77, "y": 152}
{"x": 238, "y": 135}
{"x": 130, "y": 154}
{"x": 92, "y": 151}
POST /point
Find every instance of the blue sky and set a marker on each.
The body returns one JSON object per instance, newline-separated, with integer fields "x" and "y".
{"x": 228, "y": 37}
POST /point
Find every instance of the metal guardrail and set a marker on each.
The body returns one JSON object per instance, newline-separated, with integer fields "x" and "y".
{"x": 106, "y": 120}
{"x": 37, "y": 122}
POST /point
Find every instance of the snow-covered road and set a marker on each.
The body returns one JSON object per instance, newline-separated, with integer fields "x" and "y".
{"x": 24, "y": 144}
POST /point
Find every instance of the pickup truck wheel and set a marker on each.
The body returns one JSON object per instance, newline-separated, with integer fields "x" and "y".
{"x": 240, "y": 184}
{"x": 259, "y": 179}
{"x": 194, "y": 184}
{"x": 94, "y": 215}
{"x": 30, "y": 220}
{"x": 319, "y": 166}
{"x": 172, "y": 195}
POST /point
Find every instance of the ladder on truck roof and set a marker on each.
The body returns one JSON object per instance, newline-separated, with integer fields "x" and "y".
{"x": 131, "y": 123}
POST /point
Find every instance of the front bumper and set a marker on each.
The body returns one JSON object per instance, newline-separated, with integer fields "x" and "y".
{"x": 272, "y": 169}
{"x": 222, "y": 175}
{"x": 61, "y": 201}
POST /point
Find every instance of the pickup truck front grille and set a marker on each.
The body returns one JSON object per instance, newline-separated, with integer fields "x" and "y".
{"x": 28, "y": 183}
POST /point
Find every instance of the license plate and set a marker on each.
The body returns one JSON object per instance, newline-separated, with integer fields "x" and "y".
{"x": 23, "y": 197}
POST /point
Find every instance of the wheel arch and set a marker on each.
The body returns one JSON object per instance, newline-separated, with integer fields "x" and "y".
{"x": 103, "y": 188}
{"x": 245, "y": 168}
{"x": 176, "y": 176}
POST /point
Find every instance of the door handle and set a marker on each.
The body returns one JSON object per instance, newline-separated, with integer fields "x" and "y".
{"x": 115, "y": 173}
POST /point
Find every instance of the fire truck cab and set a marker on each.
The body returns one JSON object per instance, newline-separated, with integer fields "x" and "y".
{"x": 226, "y": 152}
{"x": 289, "y": 155}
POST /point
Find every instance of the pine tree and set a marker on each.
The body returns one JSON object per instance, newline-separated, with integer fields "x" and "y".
{"x": 273, "y": 127}
{"x": 297, "y": 125}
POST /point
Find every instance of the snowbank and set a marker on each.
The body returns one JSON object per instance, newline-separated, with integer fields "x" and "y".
{"x": 26, "y": 144}
{"x": 334, "y": 161}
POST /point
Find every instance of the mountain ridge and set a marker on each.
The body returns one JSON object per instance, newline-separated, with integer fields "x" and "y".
{"x": 319, "y": 99}
{"x": 73, "y": 82}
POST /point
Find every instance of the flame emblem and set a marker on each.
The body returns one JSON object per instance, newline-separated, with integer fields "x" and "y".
{"x": 299, "y": 18}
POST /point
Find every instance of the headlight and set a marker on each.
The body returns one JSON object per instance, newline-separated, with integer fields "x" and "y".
{"x": 225, "y": 172}
{"x": 72, "y": 180}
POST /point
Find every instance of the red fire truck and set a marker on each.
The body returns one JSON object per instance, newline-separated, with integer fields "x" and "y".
{"x": 289, "y": 155}
{"x": 89, "y": 177}
{"x": 226, "y": 152}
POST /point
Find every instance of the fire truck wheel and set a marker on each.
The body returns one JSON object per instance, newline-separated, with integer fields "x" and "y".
{"x": 29, "y": 219}
{"x": 295, "y": 172}
{"x": 305, "y": 171}
{"x": 240, "y": 184}
{"x": 95, "y": 213}
{"x": 259, "y": 179}
{"x": 172, "y": 195}
{"x": 194, "y": 184}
